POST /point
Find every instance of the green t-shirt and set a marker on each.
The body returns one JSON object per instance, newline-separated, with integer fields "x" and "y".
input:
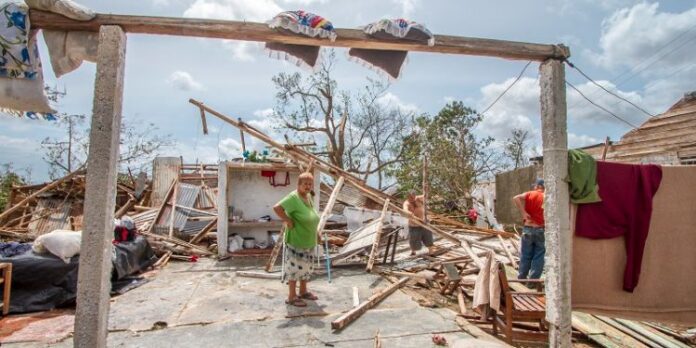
{"x": 305, "y": 220}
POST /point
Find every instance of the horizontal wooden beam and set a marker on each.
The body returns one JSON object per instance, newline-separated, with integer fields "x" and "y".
{"x": 250, "y": 31}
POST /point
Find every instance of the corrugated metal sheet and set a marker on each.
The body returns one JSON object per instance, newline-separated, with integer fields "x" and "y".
{"x": 50, "y": 214}
{"x": 187, "y": 195}
{"x": 206, "y": 198}
{"x": 164, "y": 171}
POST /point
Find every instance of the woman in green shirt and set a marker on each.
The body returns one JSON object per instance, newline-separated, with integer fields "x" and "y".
{"x": 301, "y": 220}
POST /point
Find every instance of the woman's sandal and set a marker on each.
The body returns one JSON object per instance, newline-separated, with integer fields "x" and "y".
{"x": 309, "y": 296}
{"x": 297, "y": 302}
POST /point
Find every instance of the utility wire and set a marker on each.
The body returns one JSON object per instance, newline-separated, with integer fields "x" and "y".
{"x": 506, "y": 89}
{"x": 601, "y": 107}
{"x": 606, "y": 90}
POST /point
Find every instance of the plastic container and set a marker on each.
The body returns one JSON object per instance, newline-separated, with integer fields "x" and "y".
{"x": 249, "y": 243}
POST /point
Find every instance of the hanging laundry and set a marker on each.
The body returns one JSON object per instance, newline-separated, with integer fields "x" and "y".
{"x": 625, "y": 210}
{"x": 582, "y": 175}
{"x": 16, "y": 58}
{"x": 390, "y": 62}
{"x": 68, "y": 49}
{"x": 667, "y": 287}
{"x": 304, "y": 23}
{"x": 21, "y": 78}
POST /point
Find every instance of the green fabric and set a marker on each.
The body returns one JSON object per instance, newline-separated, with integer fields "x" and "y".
{"x": 305, "y": 220}
{"x": 582, "y": 175}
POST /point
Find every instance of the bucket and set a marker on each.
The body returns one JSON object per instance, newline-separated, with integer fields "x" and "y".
{"x": 249, "y": 243}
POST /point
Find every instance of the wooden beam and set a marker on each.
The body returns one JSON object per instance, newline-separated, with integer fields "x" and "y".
{"x": 330, "y": 204}
{"x": 173, "y": 212}
{"x": 301, "y": 155}
{"x": 425, "y": 189}
{"x": 507, "y": 251}
{"x": 204, "y": 122}
{"x": 249, "y": 31}
{"x": 378, "y": 237}
{"x": 356, "y": 312}
{"x": 606, "y": 147}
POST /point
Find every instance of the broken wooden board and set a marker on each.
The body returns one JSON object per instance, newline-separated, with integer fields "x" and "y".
{"x": 348, "y": 317}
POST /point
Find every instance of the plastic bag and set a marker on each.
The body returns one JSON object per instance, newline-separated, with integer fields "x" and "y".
{"x": 62, "y": 243}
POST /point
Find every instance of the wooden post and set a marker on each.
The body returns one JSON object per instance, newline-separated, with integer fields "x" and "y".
{"x": 204, "y": 122}
{"x": 94, "y": 285}
{"x": 356, "y": 312}
{"x": 556, "y": 202}
{"x": 606, "y": 147}
{"x": 378, "y": 236}
{"x": 173, "y": 211}
{"x": 241, "y": 136}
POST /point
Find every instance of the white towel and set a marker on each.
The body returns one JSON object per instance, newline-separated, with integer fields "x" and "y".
{"x": 487, "y": 288}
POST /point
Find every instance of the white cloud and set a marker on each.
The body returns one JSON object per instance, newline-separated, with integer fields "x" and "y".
{"x": 575, "y": 141}
{"x": 264, "y": 113}
{"x": 184, "y": 81}
{"x": 253, "y": 11}
{"x": 391, "y": 100}
{"x": 304, "y": 2}
{"x": 160, "y": 3}
{"x": 641, "y": 37}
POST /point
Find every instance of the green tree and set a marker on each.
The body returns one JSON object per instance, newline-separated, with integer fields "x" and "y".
{"x": 456, "y": 156}
{"x": 9, "y": 178}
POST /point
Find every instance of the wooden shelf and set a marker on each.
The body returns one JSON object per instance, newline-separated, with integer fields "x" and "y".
{"x": 273, "y": 223}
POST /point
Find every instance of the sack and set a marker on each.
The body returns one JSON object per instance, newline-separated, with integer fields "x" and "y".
{"x": 25, "y": 94}
{"x": 66, "y": 8}
{"x": 62, "y": 243}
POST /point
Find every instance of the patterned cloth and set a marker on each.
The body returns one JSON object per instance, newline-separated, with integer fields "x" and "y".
{"x": 400, "y": 28}
{"x": 299, "y": 263}
{"x": 388, "y": 62}
{"x": 300, "y": 22}
{"x": 17, "y": 54}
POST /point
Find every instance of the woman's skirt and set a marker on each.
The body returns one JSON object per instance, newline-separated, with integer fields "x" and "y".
{"x": 299, "y": 263}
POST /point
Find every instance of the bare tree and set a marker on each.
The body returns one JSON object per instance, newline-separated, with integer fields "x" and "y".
{"x": 360, "y": 134}
{"x": 516, "y": 147}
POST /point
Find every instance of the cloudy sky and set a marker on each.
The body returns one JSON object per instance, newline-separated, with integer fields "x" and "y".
{"x": 641, "y": 50}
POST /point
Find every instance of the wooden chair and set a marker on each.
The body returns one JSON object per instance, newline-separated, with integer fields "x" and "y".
{"x": 6, "y": 281}
{"x": 520, "y": 306}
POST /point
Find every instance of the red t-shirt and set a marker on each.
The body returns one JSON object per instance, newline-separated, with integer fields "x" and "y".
{"x": 534, "y": 206}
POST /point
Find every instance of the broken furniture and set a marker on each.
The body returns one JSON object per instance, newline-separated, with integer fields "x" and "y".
{"x": 6, "y": 282}
{"x": 517, "y": 306}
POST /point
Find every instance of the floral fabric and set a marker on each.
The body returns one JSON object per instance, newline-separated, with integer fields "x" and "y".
{"x": 299, "y": 263}
{"x": 17, "y": 55}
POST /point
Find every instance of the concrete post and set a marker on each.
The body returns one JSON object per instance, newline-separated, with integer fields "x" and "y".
{"x": 91, "y": 318}
{"x": 556, "y": 202}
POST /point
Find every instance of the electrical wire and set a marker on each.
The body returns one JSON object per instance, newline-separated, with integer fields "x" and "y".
{"x": 506, "y": 89}
{"x": 600, "y": 107}
{"x": 606, "y": 90}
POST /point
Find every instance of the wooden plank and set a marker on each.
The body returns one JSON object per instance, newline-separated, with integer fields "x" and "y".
{"x": 348, "y": 317}
{"x": 615, "y": 324}
{"x": 377, "y": 238}
{"x": 460, "y": 301}
{"x": 356, "y": 297}
{"x": 204, "y": 231}
{"x": 204, "y": 123}
{"x": 249, "y": 31}
{"x": 507, "y": 251}
{"x": 276, "y": 250}
{"x": 160, "y": 210}
{"x": 649, "y": 334}
{"x": 330, "y": 204}
{"x": 173, "y": 211}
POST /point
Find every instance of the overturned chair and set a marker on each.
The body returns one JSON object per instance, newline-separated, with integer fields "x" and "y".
{"x": 520, "y": 306}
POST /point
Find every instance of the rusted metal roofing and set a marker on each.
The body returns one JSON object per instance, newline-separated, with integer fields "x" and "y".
{"x": 50, "y": 214}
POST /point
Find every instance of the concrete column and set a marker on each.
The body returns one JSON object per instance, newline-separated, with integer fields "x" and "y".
{"x": 556, "y": 202}
{"x": 223, "y": 209}
{"x": 91, "y": 318}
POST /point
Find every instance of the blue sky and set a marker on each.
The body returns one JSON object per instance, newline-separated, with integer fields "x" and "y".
{"x": 621, "y": 44}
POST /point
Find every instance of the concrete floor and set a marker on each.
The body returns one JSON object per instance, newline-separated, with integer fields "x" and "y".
{"x": 207, "y": 304}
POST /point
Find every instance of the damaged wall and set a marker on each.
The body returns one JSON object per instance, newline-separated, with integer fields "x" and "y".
{"x": 509, "y": 184}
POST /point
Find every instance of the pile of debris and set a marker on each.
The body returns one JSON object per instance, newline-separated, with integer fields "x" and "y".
{"x": 179, "y": 221}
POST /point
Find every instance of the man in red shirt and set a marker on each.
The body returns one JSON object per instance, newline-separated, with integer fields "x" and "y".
{"x": 531, "y": 206}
